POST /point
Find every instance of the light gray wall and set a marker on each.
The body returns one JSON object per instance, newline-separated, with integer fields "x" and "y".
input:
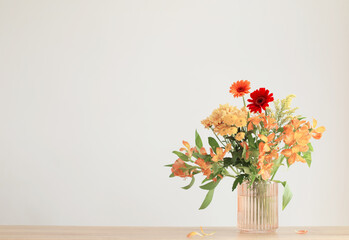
{"x": 94, "y": 96}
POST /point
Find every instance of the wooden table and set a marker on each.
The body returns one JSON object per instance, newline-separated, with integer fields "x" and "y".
{"x": 163, "y": 233}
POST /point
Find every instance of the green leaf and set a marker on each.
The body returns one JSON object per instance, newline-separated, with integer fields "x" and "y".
{"x": 282, "y": 182}
{"x": 307, "y": 157}
{"x": 172, "y": 175}
{"x": 277, "y": 164}
{"x": 237, "y": 181}
{"x": 205, "y": 180}
{"x": 190, "y": 184}
{"x": 204, "y": 157}
{"x": 311, "y": 149}
{"x": 213, "y": 143}
{"x": 246, "y": 170}
{"x": 251, "y": 141}
{"x": 181, "y": 155}
{"x": 198, "y": 140}
{"x": 244, "y": 154}
{"x": 210, "y": 186}
{"x": 168, "y": 165}
{"x": 252, "y": 180}
{"x": 287, "y": 196}
{"x": 207, "y": 199}
{"x": 281, "y": 129}
{"x": 196, "y": 155}
{"x": 288, "y": 165}
{"x": 215, "y": 168}
{"x": 227, "y": 162}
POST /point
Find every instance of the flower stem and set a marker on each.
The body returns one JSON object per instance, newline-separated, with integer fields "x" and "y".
{"x": 243, "y": 98}
{"x": 234, "y": 170}
{"x": 217, "y": 137}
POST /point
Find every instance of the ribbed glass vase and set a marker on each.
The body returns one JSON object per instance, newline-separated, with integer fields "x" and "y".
{"x": 258, "y": 207}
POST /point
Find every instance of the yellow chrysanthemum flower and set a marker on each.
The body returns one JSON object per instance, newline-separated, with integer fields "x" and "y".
{"x": 241, "y": 122}
{"x": 225, "y": 119}
{"x": 230, "y": 119}
{"x": 240, "y": 136}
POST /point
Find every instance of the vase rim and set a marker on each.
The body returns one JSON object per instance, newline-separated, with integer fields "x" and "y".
{"x": 260, "y": 182}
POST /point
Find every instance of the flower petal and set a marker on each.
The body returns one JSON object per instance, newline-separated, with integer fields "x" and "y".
{"x": 193, "y": 234}
{"x": 263, "y": 138}
{"x": 186, "y": 144}
{"x": 286, "y": 152}
{"x": 321, "y": 129}
{"x": 203, "y": 151}
{"x": 271, "y": 137}
{"x": 250, "y": 126}
{"x": 301, "y": 231}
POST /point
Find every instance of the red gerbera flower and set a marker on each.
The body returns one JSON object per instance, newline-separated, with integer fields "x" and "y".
{"x": 260, "y": 100}
{"x": 240, "y": 88}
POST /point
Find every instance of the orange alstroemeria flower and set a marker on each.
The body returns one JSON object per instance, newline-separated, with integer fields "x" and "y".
{"x": 220, "y": 153}
{"x": 255, "y": 121}
{"x": 203, "y": 151}
{"x": 272, "y": 155}
{"x": 288, "y": 135}
{"x": 179, "y": 169}
{"x": 297, "y": 135}
{"x": 263, "y": 148}
{"x": 292, "y": 154}
{"x": 205, "y": 167}
{"x": 270, "y": 123}
{"x": 302, "y": 136}
{"x": 296, "y": 122}
{"x": 266, "y": 155}
{"x": 188, "y": 149}
{"x": 265, "y": 171}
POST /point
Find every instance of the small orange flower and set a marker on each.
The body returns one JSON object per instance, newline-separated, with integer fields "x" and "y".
{"x": 265, "y": 171}
{"x": 270, "y": 123}
{"x": 240, "y": 88}
{"x": 179, "y": 169}
{"x": 263, "y": 148}
{"x": 292, "y": 154}
{"x": 220, "y": 153}
{"x": 188, "y": 149}
{"x": 205, "y": 167}
{"x": 203, "y": 151}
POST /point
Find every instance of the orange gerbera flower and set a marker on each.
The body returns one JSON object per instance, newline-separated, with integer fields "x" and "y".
{"x": 240, "y": 88}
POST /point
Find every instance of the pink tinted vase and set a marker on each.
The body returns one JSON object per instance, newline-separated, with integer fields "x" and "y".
{"x": 258, "y": 207}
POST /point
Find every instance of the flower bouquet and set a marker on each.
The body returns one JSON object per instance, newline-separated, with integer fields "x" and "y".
{"x": 249, "y": 145}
